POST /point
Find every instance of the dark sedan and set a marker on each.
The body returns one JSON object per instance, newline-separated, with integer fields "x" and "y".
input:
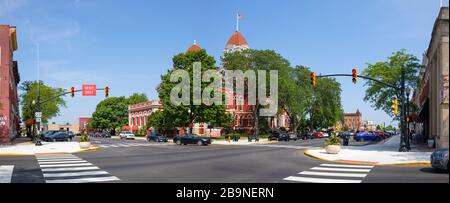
{"x": 59, "y": 136}
{"x": 191, "y": 139}
{"x": 155, "y": 137}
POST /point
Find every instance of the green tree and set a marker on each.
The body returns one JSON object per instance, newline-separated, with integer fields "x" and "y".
{"x": 49, "y": 109}
{"x": 264, "y": 60}
{"x": 390, "y": 72}
{"x": 137, "y": 98}
{"x": 178, "y": 115}
{"x": 111, "y": 113}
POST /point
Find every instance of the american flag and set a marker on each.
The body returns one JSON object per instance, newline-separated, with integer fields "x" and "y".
{"x": 240, "y": 17}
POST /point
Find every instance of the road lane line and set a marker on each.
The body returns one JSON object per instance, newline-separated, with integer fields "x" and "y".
{"x": 356, "y": 175}
{"x": 341, "y": 169}
{"x": 70, "y": 169}
{"x": 84, "y": 180}
{"x": 347, "y": 166}
{"x": 320, "y": 180}
{"x": 85, "y": 173}
{"x": 6, "y": 172}
{"x": 64, "y": 165}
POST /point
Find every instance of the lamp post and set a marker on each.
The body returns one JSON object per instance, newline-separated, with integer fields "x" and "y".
{"x": 190, "y": 122}
{"x": 408, "y": 146}
{"x": 403, "y": 144}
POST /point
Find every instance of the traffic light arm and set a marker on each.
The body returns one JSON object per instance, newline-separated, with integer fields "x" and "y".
{"x": 361, "y": 76}
{"x": 66, "y": 93}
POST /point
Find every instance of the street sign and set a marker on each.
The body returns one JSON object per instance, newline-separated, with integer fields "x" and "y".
{"x": 38, "y": 120}
{"x": 89, "y": 90}
{"x": 38, "y": 114}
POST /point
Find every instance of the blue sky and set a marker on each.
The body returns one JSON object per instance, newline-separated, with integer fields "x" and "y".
{"x": 129, "y": 44}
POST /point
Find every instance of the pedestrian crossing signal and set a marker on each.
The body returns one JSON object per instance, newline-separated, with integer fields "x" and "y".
{"x": 106, "y": 91}
{"x": 72, "y": 91}
{"x": 354, "y": 76}
{"x": 313, "y": 79}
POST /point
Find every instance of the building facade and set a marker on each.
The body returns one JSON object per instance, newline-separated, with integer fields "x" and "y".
{"x": 352, "y": 121}
{"x": 138, "y": 114}
{"x": 83, "y": 123}
{"x": 9, "y": 79}
{"x": 431, "y": 97}
{"x": 75, "y": 128}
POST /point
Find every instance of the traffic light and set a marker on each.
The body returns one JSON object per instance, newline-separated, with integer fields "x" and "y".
{"x": 354, "y": 76}
{"x": 395, "y": 107}
{"x": 106, "y": 91}
{"x": 313, "y": 79}
{"x": 72, "y": 91}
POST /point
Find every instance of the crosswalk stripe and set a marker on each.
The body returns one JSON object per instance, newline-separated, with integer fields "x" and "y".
{"x": 55, "y": 157}
{"x": 6, "y": 172}
{"x": 64, "y": 165}
{"x": 113, "y": 146}
{"x": 59, "y": 159}
{"x": 341, "y": 169}
{"x": 104, "y": 146}
{"x": 346, "y": 166}
{"x": 312, "y": 173}
{"x": 61, "y": 162}
{"x": 84, "y": 180}
{"x": 320, "y": 180}
{"x": 70, "y": 169}
{"x": 85, "y": 173}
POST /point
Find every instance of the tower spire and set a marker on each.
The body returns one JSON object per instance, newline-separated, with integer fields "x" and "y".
{"x": 237, "y": 22}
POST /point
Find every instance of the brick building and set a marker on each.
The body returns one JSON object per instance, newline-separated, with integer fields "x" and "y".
{"x": 9, "y": 79}
{"x": 352, "y": 121}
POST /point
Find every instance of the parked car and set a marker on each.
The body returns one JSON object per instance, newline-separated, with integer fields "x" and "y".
{"x": 253, "y": 138}
{"x": 366, "y": 136}
{"x": 59, "y": 136}
{"x": 274, "y": 136}
{"x": 284, "y": 137}
{"x": 307, "y": 135}
{"x": 191, "y": 139}
{"x": 156, "y": 137}
{"x": 439, "y": 159}
{"x": 293, "y": 136}
{"x": 46, "y": 134}
{"x": 127, "y": 135}
{"x": 381, "y": 134}
{"x": 105, "y": 135}
{"x": 318, "y": 135}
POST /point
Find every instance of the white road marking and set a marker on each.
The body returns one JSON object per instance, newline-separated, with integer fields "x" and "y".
{"x": 70, "y": 169}
{"x": 84, "y": 180}
{"x": 320, "y": 180}
{"x": 61, "y": 162}
{"x": 341, "y": 169}
{"x": 312, "y": 173}
{"x": 346, "y": 166}
{"x": 6, "y": 172}
{"x": 85, "y": 173}
{"x": 64, "y": 165}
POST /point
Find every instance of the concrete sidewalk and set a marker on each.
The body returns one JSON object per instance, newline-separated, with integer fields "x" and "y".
{"x": 383, "y": 153}
{"x": 28, "y": 148}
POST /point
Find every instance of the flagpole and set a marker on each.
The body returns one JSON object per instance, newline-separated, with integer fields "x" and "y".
{"x": 237, "y": 22}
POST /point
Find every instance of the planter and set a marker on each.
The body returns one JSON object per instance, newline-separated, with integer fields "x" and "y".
{"x": 85, "y": 145}
{"x": 333, "y": 149}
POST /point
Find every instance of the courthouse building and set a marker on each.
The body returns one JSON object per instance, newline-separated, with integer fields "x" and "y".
{"x": 9, "y": 79}
{"x": 243, "y": 114}
{"x": 431, "y": 97}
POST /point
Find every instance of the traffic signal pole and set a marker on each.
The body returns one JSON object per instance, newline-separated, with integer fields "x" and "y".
{"x": 404, "y": 143}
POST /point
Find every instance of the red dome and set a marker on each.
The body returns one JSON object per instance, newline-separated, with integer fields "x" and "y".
{"x": 237, "y": 39}
{"x": 194, "y": 48}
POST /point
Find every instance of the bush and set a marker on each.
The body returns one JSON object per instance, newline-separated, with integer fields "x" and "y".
{"x": 84, "y": 138}
{"x": 333, "y": 139}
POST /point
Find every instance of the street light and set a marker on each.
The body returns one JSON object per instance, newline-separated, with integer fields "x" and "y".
{"x": 190, "y": 129}
{"x": 408, "y": 92}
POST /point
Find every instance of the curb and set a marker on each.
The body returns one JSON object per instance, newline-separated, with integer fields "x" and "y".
{"x": 94, "y": 148}
{"x": 419, "y": 163}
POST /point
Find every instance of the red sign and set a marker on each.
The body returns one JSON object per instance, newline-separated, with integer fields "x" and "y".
{"x": 89, "y": 90}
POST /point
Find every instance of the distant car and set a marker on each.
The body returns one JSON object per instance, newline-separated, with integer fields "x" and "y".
{"x": 318, "y": 135}
{"x": 307, "y": 135}
{"x": 127, "y": 135}
{"x": 325, "y": 134}
{"x": 366, "y": 136}
{"x": 46, "y": 134}
{"x": 59, "y": 136}
{"x": 253, "y": 138}
{"x": 156, "y": 137}
{"x": 439, "y": 159}
{"x": 274, "y": 136}
{"x": 293, "y": 136}
{"x": 191, "y": 139}
{"x": 284, "y": 137}
{"x": 105, "y": 135}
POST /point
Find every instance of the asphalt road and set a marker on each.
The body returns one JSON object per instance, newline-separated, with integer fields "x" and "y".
{"x": 131, "y": 161}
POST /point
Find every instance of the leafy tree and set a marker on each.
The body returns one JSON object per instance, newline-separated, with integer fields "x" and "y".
{"x": 137, "y": 98}
{"x": 263, "y": 60}
{"x": 49, "y": 109}
{"x": 112, "y": 113}
{"x": 390, "y": 72}
{"x": 178, "y": 115}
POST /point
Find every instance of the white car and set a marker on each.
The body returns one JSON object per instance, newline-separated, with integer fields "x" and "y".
{"x": 127, "y": 135}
